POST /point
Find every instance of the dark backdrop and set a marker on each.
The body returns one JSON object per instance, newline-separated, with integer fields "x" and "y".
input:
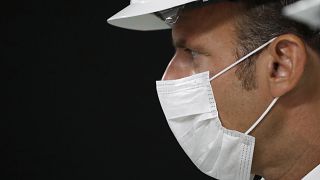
{"x": 79, "y": 95}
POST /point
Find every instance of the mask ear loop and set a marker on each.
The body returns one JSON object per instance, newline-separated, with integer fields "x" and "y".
{"x": 236, "y": 63}
{"x": 242, "y": 59}
{"x": 262, "y": 116}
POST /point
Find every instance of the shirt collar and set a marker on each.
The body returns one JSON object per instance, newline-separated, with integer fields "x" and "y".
{"x": 313, "y": 175}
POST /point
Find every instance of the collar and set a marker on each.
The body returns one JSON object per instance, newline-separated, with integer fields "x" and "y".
{"x": 313, "y": 175}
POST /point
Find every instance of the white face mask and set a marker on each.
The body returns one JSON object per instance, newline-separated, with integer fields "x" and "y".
{"x": 191, "y": 112}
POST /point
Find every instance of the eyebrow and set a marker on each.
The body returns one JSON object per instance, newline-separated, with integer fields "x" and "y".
{"x": 180, "y": 43}
{"x": 185, "y": 44}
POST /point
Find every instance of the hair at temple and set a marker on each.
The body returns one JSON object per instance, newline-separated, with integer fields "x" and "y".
{"x": 262, "y": 21}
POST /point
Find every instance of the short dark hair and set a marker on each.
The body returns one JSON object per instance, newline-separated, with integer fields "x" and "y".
{"x": 261, "y": 21}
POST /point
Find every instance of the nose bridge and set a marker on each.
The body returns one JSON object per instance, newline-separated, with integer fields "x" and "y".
{"x": 178, "y": 67}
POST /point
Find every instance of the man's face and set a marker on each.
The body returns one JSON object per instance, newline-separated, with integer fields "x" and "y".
{"x": 205, "y": 40}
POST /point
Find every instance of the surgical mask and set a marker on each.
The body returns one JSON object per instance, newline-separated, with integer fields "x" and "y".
{"x": 191, "y": 112}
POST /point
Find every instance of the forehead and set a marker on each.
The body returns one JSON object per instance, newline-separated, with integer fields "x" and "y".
{"x": 209, "y": 21}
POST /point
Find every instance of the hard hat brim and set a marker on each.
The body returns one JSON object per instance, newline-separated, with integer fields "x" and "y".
{"x": 139, "y": 16}
{"x": 305, "y": 12}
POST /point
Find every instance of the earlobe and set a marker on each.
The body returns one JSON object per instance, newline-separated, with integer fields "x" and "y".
{"x": 289, "y": 56}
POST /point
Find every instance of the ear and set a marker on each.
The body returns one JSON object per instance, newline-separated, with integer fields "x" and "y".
{"x": 289, "y": 56}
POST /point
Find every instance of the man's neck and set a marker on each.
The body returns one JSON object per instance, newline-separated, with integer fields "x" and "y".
{"x": 292, "y": 153}
{"x": 288, "y": 145}
{"x": 306, "y": 163}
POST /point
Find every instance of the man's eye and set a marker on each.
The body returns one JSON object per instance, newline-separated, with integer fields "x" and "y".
{"x": 193, "y": 53}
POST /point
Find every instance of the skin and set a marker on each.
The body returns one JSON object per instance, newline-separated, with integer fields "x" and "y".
{"x": 288, "y": 139}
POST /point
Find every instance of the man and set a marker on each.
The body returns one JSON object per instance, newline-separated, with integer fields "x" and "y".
{"x": 242, "y": 92}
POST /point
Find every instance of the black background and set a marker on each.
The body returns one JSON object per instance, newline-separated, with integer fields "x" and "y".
{"x": 79, "y": 95}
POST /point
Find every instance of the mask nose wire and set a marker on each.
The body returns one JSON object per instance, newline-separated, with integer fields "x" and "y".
{"x": 242, "y": 59}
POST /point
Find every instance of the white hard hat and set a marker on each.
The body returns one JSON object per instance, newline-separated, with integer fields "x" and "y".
{"x": 139, "y": 15}
{"x": 307, "y": 11}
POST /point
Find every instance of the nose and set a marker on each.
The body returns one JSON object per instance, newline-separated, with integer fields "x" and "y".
{"x": 178, "y": 67}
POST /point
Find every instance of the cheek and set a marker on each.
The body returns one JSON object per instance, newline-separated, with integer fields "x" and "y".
{"x": 203, "y": 63}
{"x": 238, "y": 108}
{"x": 229, "y": 99}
